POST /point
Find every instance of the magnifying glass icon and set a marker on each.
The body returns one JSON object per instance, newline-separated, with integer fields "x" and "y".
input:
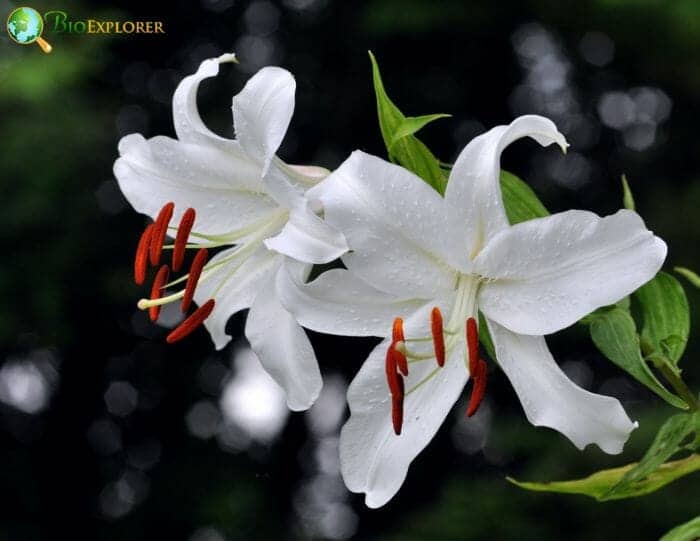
{"x": 25, "y": 25}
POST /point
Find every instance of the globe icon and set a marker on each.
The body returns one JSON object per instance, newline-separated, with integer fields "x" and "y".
{"x": 25, "y": 25}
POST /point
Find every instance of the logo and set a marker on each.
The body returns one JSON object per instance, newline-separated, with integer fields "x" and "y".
{"x": 25, "y": 26}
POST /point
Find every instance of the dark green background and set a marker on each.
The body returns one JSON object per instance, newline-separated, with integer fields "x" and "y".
{"x": 67, "y": 240}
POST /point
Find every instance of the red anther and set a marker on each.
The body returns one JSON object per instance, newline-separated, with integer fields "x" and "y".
{"x": 191, "y": 323}
{"x": 473, "y": 345}
{"x": 397, "y": 331}
{"x": 393, "y": 379}
{"x": 479, "y": 389}
{"x": 183, "y": 233}
{"x": 195, "y": 271}
{"x": 401, "y": 361}
{"x": 160, "y": 280}
{"x": 141, "y": 258}
{"x": 438, "y": 336}
{"x": 397, "y": 409}
{"x": 397, "y": 336}
{"x": 160, "y": 227}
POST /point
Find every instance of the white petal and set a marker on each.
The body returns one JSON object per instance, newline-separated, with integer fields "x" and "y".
{"x": 283, "y": 348}
{"x": 393, "y": 223}
{"x": 239, "y": 291}
{"x": 550, "y": 272}
{"x": 262, "y": 112}
{"x": 551, "y": 399}
{"x": 337, "y": 302}
{"x": 373, "y": 459}
{"x": 188, "y": 124}
{"x": 224, "y": 189}
{"x": 473, "y": 196}
{"x": 306, "y": 237}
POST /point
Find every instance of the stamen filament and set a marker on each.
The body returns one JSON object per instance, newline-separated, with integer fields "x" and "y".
{"x": 183, "y": 233}
{"x": 160, "y": 227}
{"x": 195, "y": 271}
{"x": 141, "y": 258}
{"x": 156, "y": 290}
{"x": 191, "y": 323}
{"x": 423, "y": 381}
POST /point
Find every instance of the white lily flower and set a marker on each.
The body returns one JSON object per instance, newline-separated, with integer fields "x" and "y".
{"x": 417, "y": 255}
{"x": 238, "y": 196}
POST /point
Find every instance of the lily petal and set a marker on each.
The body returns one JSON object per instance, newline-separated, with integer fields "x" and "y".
{"x": 551, "y": 399}
{"x": 373, "y": 459}
{"x": 473, "y": 194}
{"x": 306, "y": 237}
{"x": 337, "y": 302}
{"x": 189, "y": 126}
{"x": 243, "y": 282}
{"x": 262, "y": 112}
{"x": 224, "y": 188}
{"x": 393, "y": 223}
{"x": 283, "y": 348}
{"x": 550, "y": 272}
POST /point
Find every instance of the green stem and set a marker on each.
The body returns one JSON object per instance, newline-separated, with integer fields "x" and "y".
{"x": 679, "y": 386}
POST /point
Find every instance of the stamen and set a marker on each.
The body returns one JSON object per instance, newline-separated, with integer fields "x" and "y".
{"x": 195, "y": 271}
{"x": 397, "y": 337}
{"x": 473, "y": 345}
{"x": 191, "y": 323}
{"x": 160, "y": 226}
{"x": 141, "y": 258}
{"x": 397, "y": 409}
{"x": 479, "y": 389}
{"x": 393, "y": 379}
{"x": 438, "y": 337}
{"x": 183, "y": 233}
{"x": 156, "y": 290}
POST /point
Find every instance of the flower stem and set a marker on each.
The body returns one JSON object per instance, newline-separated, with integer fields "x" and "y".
{"x": 678, "y": 385}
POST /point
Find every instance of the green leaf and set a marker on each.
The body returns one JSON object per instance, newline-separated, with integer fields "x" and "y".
{"x": 406, "y": 150}
{"x": 520, "y": 201}
{"x": 599, "y": 484}
{"x": 627, "y": 198}
{"x": 666, "y": 317}
{"x": 689, "y": 275}
{"x": 690, "y": 531}
{"x": 614, "y": 333}
{"x": 485, "y": 338}
{"x": 412, "y": 124}
{"x": 668, "y": 442}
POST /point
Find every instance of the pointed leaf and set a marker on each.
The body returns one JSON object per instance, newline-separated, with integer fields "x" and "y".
{"x": 668, "y": 442}
{"x": 520, "y": 201}
{"x": 485, "y": 338}
{"x": 598, "y": 485}
{"x": 627, "y": 197}
{"x": 614, "y": 333}
{"x": 690, "y": 531}
{"x": 412, "y": 124}
{"x": 666, "y": 316}
{"x": 689, "y": 275}
{"x": 408, "y": 150}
